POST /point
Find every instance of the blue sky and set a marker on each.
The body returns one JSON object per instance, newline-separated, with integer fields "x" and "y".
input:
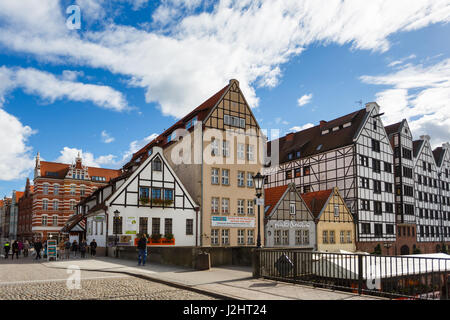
{"x": 135, "y": 66}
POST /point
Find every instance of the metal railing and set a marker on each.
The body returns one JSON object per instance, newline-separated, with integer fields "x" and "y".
{"x": 395, "y": 277}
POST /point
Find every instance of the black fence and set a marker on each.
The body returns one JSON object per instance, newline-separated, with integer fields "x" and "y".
{"x": 395, "y": 277}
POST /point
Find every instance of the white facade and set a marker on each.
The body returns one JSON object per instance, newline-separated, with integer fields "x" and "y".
{"x": 168, "y": 208}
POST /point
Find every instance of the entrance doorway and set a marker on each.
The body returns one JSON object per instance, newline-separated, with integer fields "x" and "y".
{"x": 404, "y": 250}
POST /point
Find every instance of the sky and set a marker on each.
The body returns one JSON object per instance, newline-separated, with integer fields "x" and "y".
{"x": 102, "y": 78}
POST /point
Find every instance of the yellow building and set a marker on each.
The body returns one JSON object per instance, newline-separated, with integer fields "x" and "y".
{"x": 335, "y": 227}
{"x": 215, "y": 150}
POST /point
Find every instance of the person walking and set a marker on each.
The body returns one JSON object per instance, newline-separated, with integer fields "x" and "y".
{"x": 38, "y": 248}
{"x": 67, "y": 247}
{"x": 93, "y": 246}
{"x": 74, "y": 248}
{"x": 20, "y": 243}
{"x": 142, "y": 250}
{"x": 7, "y": 247}
{"x": 83, "y": 248}
{"x": 15, "y": 249}
{"x": 26, "y": 248}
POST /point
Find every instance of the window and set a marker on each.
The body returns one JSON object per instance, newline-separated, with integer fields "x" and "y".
{"x": 364, "y": 161}
{"x": 73, "y": 205}
{"x": 388, "y": 187}
{"x": 407, "y": 172}
{"x": 289, "y": 174}
{"x": 387, "y": 167}
{"x": 250, "y": 153}
{"x": 241, "y": 236}
{"x": 44, "y": 220}
{"x": 408, "y": 191}
{"x": 45, "y": 204}
{"x": 305, "y": 234}
{"x": 306, "y": 189}
{"x": 226, "y": 148}
{"x": 375, "y": 145}
{"x": 225, "y": 205}
{"x": 375, "y": 124}
{"x": 225, "y": 236}
{"x": 349, "y": 237}
{"x": 240, "y": 178}
{"x": 331, "y": 237}
{"x": 226, "y": 177}
{"x": 407, "y": 154}
{"x": 377, "y": 207}
{"x": 214, "y": 236}
{"x": 168, "y": 194}
{"x": 156, "y": 193}
{"x": 376, "y": 186}
{"x": 250, "y": 236}
{"x": 168, "y": 226}
{"x": 189, "y": 227}
{"x": 389, "y": 207}
{"x": 56, "y": 189}
{"x": 157, "y": 165}
{"x": 325, "y": 237}
{"x": 298, "y": 237}
{"x": 277, "y": 237}
{"x": 55, "y": 204}
{"x": 378, "y": 230}
{"x": 364, "y": 183}
{"x": 429, "y": 167}
{"x": 365, "y": 228}
{"x": 55, "y": 221}
{"x": 376, "y": 165}
{"x": 73, "y": 189}
{"x": 285, "y": 239}
{"x": 82, "y": 191}
{"x": 214, "y": 176}
{"x": 214, "y": 205}
{"x": 306, "y": 170}
{"x": 365, "y": 205}
{"x": 156, "y": 226}
{"x": 390, "y": 229}
{"x": 45, "y": 188}
{"x": 336, "y": 210}
{"x": 297, "y": 172}
{"x": 240, "y": 151}
{"x": 250, "y": 207}
{"x": 143, "y": 225}
{"x": 250, "y": 179}
{"x": 342, "y": 237}
{"x": 240, "y": 206}
{"x": 292, "y": 208}
{"x": 214, "y": 147}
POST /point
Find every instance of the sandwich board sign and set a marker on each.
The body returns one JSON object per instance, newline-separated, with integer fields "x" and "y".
{"x": 51, "y": 250}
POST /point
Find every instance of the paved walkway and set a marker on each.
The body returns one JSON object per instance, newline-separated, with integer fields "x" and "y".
{"x": 225, "y": 282}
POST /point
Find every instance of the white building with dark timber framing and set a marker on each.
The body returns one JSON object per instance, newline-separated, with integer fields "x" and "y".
{"x": 149, "y": 199}
{"x": 352, "y": 153}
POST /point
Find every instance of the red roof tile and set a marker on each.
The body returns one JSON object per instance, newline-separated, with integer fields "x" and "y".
{"x": 19, "y": 194}
{"x": 61, "y": 169}
{"x": 316, "y": 200}
{"x": 272, "y": 196}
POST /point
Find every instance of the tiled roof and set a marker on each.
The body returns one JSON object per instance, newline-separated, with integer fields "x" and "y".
{"x": 417, "y": 144}
{"x": 61, "y": 169}
{"x": 272, "y": 196}
{"x": 438, "y": 154}
{"x": 1, "y": 203}
{"x": 393, "y": 128}
{"x": 201, "y": 112}
{"x": 316, "y": 200}
{"x": 311, "y": 141}
{"x": 19, "y": 194}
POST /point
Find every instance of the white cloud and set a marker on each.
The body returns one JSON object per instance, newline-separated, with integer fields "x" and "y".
{"x": 70, "y": 75}
{"x": 303, "y": 127}
{"x": 197, "y": 53}
{"x": 305, "y": 99}
{"x": 16, "y": 160}
{"x": 401, "y": 61}
{"x": 50, "y": 88}
{"x": 68, "y": 155}
{"x": 135, "y": 146}
{"x": 106, "y": 138}
{"x": 420, "y": 94}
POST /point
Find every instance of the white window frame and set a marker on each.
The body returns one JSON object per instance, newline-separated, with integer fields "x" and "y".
{"x": 225, "y": 205}
{"x": 45, "y": 204}
{"x": 241, "y": 206}
{"x": 241, "y": 237}
{"x": 250, "y": 236}
{"x": 44, "y": 217}
{"x": 214, "y": 205}
{"x": 57, "y": 204}
{"x": 56, "y": 189}
{"x": 226, "y": 177}
{"x": 250, "y": 207}
{"x": 45, "y": 188}
{"x": 241, "y": 151}
{"x": 214, "y": 176}
{"x": 225, "y": 236}
{"x": 250, "y": 152}
{"x": 241, "y": 179}
{"x": 292, "y": 208}
{"x": 226, "y": 148}
{"x": 250, "y": 179}
{"x": 214, "y": 236}
{"x": 53, "y": 220}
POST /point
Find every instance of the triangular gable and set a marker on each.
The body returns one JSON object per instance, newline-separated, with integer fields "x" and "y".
{"x": 425, "y": 146}
{"x": 298, "y": 200}
{"x": 128, "y": 192}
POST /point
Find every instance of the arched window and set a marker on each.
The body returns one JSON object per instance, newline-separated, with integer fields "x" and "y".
{"x": 56, "y": 189}
{"x": 55, "y": 204}
{"x": 45, "y": 188}
{"x": 157, "y": 165}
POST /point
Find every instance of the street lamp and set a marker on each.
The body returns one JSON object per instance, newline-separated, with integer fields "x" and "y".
{"x": 387, "y": 245}
{"x": 116, "y": 240}
{"x": 259, "y": 183}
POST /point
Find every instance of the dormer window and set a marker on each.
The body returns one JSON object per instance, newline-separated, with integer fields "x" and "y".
{"x": 319, "y": 147}
{"x": 335, "y": 128}
{"x": 157, "y": 165}
{"x": 297, "y": 154}
{"x": 290, "y": 156}
{"x": 191, "y": 122}
{"x": 325, "y": 131}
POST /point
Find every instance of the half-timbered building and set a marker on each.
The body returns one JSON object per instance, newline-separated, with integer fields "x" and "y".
{"x": 352, "y": 153}
{"x": 288, "y": 221}
{"x": 151, "y": 200}
{"x": 215, "y": 150}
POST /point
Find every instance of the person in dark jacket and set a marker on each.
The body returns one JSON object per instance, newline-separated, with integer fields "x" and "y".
{"x": 83, "y": 248}
{"x": 7, "y": 248}
{"x": 38, "y": 248}
{"x": 75, "y": 248}
{"x": 142, "y": 247}
{"x": 15, "y": 249}
{"x": 93, "y": 246}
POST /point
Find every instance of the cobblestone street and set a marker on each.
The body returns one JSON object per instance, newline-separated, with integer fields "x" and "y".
{"x": 123, "y": 288}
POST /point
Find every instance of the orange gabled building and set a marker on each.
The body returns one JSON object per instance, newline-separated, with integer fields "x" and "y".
{"x": 58, "y": 187}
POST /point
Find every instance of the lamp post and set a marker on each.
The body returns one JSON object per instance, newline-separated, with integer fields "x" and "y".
{"x": 387, "y": 245}
{"x": 116, "y": 240}
{"x": 259, "y": 183}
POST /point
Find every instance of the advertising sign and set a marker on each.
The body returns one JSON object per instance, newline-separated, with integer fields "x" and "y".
{"x": 233, "y": 222}
{"x": 131, "y": 225}
{"x": 51, "y": 250}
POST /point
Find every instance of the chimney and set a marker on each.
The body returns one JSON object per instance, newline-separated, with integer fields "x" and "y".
{"x": 290, "y": 136}
{"x": 322, "y": 123}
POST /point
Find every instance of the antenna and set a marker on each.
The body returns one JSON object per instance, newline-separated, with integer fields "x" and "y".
{"x": 360, "y": 102}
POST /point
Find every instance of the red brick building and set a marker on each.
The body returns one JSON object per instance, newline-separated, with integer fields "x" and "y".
{"x": 58, "y": 187}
